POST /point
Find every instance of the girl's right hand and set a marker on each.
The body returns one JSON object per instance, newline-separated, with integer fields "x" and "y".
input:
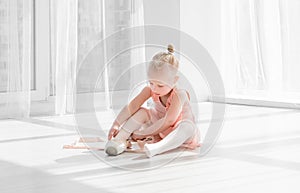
{"x": 113, "y": 132}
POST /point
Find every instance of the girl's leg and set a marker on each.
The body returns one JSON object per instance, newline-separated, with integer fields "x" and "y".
{"x": 118, "y": 144}
{"x": 132, "y": 124}
{"x": 184, "y": 131}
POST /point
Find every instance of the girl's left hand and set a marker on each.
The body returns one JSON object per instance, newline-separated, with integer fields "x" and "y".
{"x": 112, "y": 133}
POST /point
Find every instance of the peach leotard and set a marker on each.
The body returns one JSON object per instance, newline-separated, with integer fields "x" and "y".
{"x": 158, "y": 111}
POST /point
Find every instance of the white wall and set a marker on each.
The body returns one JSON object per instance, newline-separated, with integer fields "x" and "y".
{"x": 164, "y": 13}
{"x": 201, "y": 19}
{"x": 198, "y": 18}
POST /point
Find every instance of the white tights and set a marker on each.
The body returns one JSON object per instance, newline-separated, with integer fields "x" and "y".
{"x": 185, "y": 131}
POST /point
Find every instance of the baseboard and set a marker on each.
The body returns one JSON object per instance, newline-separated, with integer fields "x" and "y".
{"x": 256, "y": 102}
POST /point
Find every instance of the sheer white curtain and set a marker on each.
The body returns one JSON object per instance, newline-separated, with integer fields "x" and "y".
{"x": 64, "y": 19}
{"x": 260, "y": 42}
{"x": 76, "y": 27}
{"x": 16, "y": 57}
{"x": 138, "y": 54}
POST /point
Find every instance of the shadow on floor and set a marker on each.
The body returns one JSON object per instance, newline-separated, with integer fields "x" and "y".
{"x": 16, "y": 178}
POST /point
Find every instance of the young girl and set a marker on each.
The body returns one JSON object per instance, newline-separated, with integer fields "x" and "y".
{"x": 168, "y": 125}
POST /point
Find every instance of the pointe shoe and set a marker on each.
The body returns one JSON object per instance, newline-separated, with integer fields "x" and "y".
{"x": 114, "y": 148}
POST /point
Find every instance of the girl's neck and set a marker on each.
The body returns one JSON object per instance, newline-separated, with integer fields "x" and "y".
{"x": 167, "y": 95}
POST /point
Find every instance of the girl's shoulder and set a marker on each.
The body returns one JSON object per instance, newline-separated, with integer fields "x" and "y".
{"x": 146, "y": 92}
{"x": 151, "y": 94}
{"x": 182, "y": 94}
{"x": 147, "y": 89}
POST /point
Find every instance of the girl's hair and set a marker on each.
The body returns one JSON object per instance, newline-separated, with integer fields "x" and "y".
{"x": 165, "y": 65}
{"x": 166, "y": 58}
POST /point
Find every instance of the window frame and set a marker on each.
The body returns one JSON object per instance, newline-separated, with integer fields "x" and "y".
{"x": 41, "y": 51}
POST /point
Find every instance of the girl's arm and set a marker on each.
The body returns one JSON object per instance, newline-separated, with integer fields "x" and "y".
{"x": 132, "y": 107}
{"x": 167, "y": 121}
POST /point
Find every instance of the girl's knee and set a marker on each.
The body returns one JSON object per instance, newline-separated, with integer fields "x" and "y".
{"x": 188, "y": 127}
{"x": 142, "y": 115}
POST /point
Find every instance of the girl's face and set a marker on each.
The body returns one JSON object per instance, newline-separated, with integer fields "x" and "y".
{"x": 163, "y": 80}
{"x": 159, "y": 88}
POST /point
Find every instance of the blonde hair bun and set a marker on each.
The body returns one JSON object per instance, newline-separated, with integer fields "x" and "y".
{"x": 170, "y": 48}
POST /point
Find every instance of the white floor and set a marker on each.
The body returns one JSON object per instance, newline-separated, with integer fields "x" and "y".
{"x": 258, "y": 151}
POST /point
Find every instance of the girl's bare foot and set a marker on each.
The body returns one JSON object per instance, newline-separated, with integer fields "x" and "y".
{"x": 141, "y": 144}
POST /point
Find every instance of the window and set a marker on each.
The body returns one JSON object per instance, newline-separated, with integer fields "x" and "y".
{"x": 39, "y": 49}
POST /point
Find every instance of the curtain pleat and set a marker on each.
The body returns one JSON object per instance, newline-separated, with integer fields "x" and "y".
{"x": 65, "y": 14}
